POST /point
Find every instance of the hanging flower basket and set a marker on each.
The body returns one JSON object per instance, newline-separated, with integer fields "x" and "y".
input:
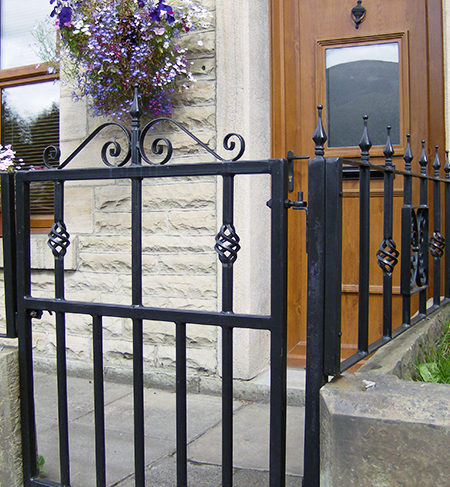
{"x": 114, "y": 45}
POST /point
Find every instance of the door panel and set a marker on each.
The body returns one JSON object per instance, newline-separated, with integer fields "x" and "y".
{"x": 306, "y": 35}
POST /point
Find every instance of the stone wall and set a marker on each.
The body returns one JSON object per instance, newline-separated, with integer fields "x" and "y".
{"x": 179, "y": 224}
{"x": 10, "y": 436}
{"x": 181, "y": 218}
{"x": 381, "y": 429}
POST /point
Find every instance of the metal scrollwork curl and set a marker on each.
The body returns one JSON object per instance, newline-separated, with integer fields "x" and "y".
{"x": 422, "y": 220}
{"x": 387, "y": 256}
{"x": 230, "y": 146}
{"x": 58, "y": 239}
{"x": 227, "y": 244}
{"x": 437, "y": 245}
{"x": 51, "y": 154}
{"x": 114, "y": 151}
{"x": 158, "y": 148}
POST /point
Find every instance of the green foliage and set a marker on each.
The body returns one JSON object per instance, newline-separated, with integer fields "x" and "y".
{"x": 436, "y": 367}
{"x": 41, "y": 463}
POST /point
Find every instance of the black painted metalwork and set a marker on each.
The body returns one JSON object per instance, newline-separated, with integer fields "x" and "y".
{"x": 387, "y": 254}
{"x": 324, "y": 292}
{"x": 9, "y": 253}
{"x": 364, "y": 240}
{"x": 130, "y": 168}
{"x": 358, "y": 14}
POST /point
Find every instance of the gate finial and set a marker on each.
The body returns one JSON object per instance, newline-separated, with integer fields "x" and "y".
{"x": 436, "y": 163}
{"x": 423, "y": 161}
{"x": 320, "y": 136}
{"x": 408, "y": 157}
{"x": 388, "y": 149}
{"x": 365, "y": 143}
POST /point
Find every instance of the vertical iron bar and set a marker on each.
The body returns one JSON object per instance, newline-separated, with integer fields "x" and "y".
{"x": 181, "y": 401}
{"x": 138, "y": 363}
{"x": 447, "y": 225}
{"x": 278, "y": 353}
{"x": 27, "y": 409}
{"x": 315, "y": 376}
{"x": 389, "y": 250}
{"x": 99, "y": 402}
{"x": 436, "y": 253}
{"x": 9, "y": 252}
{"x": 136, "y": 244}
{"x": 364, "y": 242}
{"x": 61, "y": 366}
{"x": 423, "y": 161}
{"x": 227, "y": 344}
{"x": 406, "y": 236}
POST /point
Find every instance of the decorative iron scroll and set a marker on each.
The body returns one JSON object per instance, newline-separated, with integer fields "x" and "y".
{"x": 419, "y": 230}
{"x": 437, "y": 245}
{"x": 227, "y": 244}
{"x": 58, "y": 239}
{"x": 158, "y": 148}
{"x": 135, "y": 139}
{"x": 387, "y": 256}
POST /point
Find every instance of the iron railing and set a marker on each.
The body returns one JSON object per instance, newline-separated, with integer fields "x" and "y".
{"x": 25, "y": 306}
{"x": 325, "y": 193}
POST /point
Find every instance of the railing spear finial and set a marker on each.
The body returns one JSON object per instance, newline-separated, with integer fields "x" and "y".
{"x": 437, "y": 162}
{"x": 423, "y": 161}
{"x": 320, "y": 136}
{"x": 447, "y": 166}
{"x": 365, "y": 143}
{"x": 408, "y": 157}
{"x": 388, "y": 149}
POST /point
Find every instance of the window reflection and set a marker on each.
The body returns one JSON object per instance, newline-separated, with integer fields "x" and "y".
{"x": 17, "y": 22}
{"x": 362, "y": 80}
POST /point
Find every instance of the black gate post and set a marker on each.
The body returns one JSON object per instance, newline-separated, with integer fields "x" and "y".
{"x": 9, "y": 252}
{"x": 324, "y": 292}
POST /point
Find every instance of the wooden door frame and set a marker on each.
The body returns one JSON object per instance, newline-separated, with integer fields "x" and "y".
{"x": 286, "y": 79}
{"x": 285, "y": 25}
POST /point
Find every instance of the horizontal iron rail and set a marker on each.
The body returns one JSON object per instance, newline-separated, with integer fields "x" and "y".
{"x": 373, "y": 347}
{"x": 169, "y": 171}
{"x": 228, "y": 319}
{"x": 399, "y": 172}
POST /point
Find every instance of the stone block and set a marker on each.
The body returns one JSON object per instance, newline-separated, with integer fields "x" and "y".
{"x": 187, "y": 264}
{"x": 186, "y": 195}
{"x": 116, "y": 223}
{"x": 10, "y": 430}
{"x": 105, "y": 263}
{"x": 391, "y": 434}
{"x": 193, "y": 222}
{"x": 104, "y": 243}
{"x": 178, "y": 243}
{"x": 78, "y": 209}
{"x": 113, "y": 198}
{"x": 378, "y": 430}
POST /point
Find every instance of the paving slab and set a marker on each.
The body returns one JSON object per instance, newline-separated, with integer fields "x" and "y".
{"x": 251, "y": 436}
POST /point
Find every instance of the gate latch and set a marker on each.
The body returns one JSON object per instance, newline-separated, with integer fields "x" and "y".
{"x": 300, "y": 204}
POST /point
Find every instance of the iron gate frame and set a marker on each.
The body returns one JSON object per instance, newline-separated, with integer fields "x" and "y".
{"x": 23, "y": 306}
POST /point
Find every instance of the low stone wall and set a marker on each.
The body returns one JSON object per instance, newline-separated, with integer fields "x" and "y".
{"x": 10, "y": 433}
{"x": 381, "y": 429}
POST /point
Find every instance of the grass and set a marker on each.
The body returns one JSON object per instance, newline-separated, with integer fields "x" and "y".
{"x": 436, "y": 367}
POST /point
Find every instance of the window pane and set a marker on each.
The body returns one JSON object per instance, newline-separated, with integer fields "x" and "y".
{"x": 30, "y": 123}
{"x": 17, "y": 21}
{"x": 362, "y": 80}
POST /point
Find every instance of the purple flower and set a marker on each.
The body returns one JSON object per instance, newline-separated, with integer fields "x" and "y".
{"x": 141, "y": 3}
{"x": 162, "y": 10}
{"x": 65, "y": 16}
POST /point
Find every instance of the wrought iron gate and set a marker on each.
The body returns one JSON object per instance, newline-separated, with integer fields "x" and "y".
{"x": 23, "y": 305}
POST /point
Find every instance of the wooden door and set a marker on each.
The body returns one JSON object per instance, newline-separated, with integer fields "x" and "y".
{"x": 306, "y": 35}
